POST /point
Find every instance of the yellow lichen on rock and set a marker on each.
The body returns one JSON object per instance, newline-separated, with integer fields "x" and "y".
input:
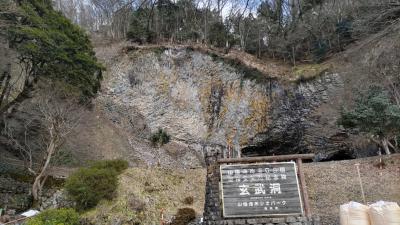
{"x": 258, "y": 118}
{"x": 163, "y": 83}
{"x": 233, "y": 92}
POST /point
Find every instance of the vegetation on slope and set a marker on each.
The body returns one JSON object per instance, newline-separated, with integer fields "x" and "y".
{"x": 59, "y": 71}
{"x": 56, "y": 217}
{"x": 160, "y": 137}
{"x": 88, "y": 186}
{"x": 144, "y": 194}
{"x": 376, "y": 114}
{"x": 51, "y": 47}
{"x": 307, "y": 72}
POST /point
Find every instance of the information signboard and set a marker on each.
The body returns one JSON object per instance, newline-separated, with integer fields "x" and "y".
{"x": 263, "y": 189}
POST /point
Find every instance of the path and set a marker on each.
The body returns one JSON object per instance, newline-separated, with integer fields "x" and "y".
{"x": 53, "y": 171}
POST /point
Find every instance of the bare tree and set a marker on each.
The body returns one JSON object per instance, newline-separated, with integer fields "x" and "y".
{"x": 21, "y": 143}
{"x": 45, "y": 128}
{"x": 220, "y": 7}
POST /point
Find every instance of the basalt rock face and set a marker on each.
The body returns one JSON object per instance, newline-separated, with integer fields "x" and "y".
{"x": 304, "y": 119}
{"x": 201, "y": 102}
{"x": 198, "y": 101}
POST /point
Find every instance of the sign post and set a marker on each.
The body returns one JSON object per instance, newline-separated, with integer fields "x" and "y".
{"x": 259, "y": 190}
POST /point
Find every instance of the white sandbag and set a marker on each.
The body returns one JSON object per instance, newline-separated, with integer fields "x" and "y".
{"x": 376, "y": 213}
{"x": 392, "y": 213}
{"x": 354, "y": 213}
{"x": 384, "y": 213}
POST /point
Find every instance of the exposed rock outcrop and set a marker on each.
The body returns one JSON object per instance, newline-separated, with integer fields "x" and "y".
{"x": 202, "y": 101}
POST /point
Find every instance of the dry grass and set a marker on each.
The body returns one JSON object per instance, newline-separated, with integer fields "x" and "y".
{"x": 156, "y": 190}
{"x": 331, "y": 184}
{"x": 308, "y": 71}
{"x": 143, "y": 193}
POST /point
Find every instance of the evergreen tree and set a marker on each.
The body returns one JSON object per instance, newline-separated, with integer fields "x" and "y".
{"x": 218, "y": 35}
{"x": 52, "y": 48}
{"x": 139, "y": 30}
{"x": 374, "y": 113}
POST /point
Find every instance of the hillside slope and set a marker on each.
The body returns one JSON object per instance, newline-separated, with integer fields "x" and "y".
{"x": 144, "y": 194}
{"x": 204, "y": 100}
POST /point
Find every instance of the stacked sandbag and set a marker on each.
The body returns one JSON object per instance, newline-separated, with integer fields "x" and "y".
{"x": 354, "y": 213}
{"x": 384, "y": 213}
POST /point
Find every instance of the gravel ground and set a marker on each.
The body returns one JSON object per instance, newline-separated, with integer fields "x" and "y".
{"x": 331, "y": 184}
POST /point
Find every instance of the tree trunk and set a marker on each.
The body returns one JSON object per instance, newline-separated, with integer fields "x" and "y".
{"x": 5, "y": 87}
{"x": 385, "y": 146}
{"x": 38, "y": 183}
{"x": 395, "y": 148}
{"x": 24, "y": 94}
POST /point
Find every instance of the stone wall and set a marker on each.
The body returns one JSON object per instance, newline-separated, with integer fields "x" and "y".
{"x": 14, "y": 191}
{"x": 14, "y": 194}
{"x": 213, "y": 208}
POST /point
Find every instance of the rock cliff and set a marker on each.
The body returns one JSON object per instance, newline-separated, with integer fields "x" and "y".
{"x": 201, "y": 101}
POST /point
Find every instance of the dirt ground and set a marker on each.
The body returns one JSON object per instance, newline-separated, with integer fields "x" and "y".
{"x": 331, "y": 184}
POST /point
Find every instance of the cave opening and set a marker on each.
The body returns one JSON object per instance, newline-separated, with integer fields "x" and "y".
{"x": 335, "y": 156}
{"x": 254, "y": 151}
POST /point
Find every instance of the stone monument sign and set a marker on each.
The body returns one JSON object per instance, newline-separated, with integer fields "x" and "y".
{"x": 260, "y": 189}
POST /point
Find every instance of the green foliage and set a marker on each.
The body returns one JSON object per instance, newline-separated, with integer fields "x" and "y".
{"x": 218, "y": 34}
{"x": 56, "y": 217}
{"x": 142, "y": 28}
{"x": 167, "y": 12}
{"x": 64, "y": 157}
{"x": 161, "y": 137}
{"x": 55, "y": 48}
{"x": 184, "y": 216}
{"x": 320, "y": 49}
{"x": 159, "y": 50}
{"x": 119, "y": 165}
{"x": 373, "y": 113}
{"x": 88, "y": 186}
{"x": 344, "y": 31}
{"x": 138, "y": 30}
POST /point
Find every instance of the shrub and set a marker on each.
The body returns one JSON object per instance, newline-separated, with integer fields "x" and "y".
{"x": 133, "y": 81}
{"x": 161, "y": 137}
{"x": 88, "y": 186}
{"x": 64, "y": 157}
{"x": 320, "y": 49}
{"x": 118, "y": 165}
{"x": 55, "y": 217}
{"x": 188, "y": 200}
{"x": 184, "y": 216}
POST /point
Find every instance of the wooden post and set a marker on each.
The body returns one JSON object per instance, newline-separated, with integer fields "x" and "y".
{"x": 360, "y": 180}
{"x": 303, "y": 187}
{"x": 162, "y": 222}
